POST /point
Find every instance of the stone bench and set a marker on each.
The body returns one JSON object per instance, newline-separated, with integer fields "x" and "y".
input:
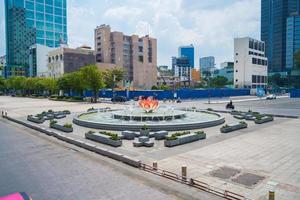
{"x": 128, "y": 135}
{"x": 160, "y": 135}
{"x": 143, "y": 141}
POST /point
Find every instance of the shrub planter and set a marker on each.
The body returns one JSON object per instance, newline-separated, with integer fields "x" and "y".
{"x": 35, "y": 119}
{"x": 66, "y": 112}
{"x": 61, "y": 128}
{"x": 128, "y": 135}
{"x": 59, "y": 116}
{"x": 144, "y": 132}
{"x": 104, "y": 139}
{"x": 239, "y": 116}
{"x": 183, "y": 139}
{"x": 235, "y": 112}
{"x": 49, "y": 116}
{"x": 264, "y": 119}
{"x": 232, "y": 127}
{"x": 160, "y": 135}
{"x": 249, "y": 117}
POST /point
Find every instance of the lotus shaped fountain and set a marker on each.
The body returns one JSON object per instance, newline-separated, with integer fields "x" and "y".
{"x": 148, "y": 105}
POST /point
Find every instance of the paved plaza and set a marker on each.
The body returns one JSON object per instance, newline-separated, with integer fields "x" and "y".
{"x": 250, "y": 162}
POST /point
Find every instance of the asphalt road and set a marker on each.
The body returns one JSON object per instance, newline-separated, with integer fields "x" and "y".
{"x": 48, "y": 170}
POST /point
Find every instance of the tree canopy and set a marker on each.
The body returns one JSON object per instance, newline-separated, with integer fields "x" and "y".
{"x": 113, "y": 76}
{"x": 92, "y": 79}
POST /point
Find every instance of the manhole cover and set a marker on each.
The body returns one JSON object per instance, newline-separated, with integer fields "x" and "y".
{"x": 248, "y": 179}
{"x": 225, "y": 172}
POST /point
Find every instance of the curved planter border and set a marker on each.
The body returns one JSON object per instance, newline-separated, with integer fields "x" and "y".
{"x": 35, "y": 120}
{"x": 152, "y": 127}
{"x": 233, "y": 128}
{"x": 61, "y": 128}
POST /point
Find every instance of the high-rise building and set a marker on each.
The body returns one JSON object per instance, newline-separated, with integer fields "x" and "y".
{"x": 274, "y": 14}
{"x": 30, "y": 22}
{"x": 207, "y": 65}
{"x": 136, "y": 55}
{"x": 2, "y": 64}
{"x": 250, "y": 64}
{"x": 189, "y": 52}
{"x": 182, "y": 68}
{"x": 292, "y": 39}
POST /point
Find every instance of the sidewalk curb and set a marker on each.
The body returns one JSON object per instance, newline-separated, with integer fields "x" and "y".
{"x": 85, "y": 145}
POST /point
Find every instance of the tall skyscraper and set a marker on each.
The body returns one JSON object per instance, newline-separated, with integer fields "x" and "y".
{"x": 274, "y": 14}
{"x": 292, "y": 39}
{"x": 207, "y": 64}
{"x": 187, "y": 51}
{"x": 31, "y": 22}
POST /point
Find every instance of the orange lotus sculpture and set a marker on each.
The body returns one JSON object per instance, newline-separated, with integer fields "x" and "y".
{"x": 148, "y": 105}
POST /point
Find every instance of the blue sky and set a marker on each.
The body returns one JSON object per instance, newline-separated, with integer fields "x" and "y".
{"x": 210, "y": 25}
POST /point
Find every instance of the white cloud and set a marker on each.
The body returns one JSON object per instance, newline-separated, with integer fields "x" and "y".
{"x": 209, "y": 25}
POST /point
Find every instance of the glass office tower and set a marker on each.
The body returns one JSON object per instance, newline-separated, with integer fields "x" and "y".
{"x": 31, "y": 22}
{"x": 274, "y": 14}
{"x": 292, "y": 39}
{"x": 187, "y": 51}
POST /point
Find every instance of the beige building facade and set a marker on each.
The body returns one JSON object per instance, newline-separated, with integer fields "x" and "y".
{"x": 66, "y": 60}
{"x": 136, "y": 55}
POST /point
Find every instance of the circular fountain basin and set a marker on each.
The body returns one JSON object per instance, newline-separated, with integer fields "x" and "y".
{"x": 162, "y": 119}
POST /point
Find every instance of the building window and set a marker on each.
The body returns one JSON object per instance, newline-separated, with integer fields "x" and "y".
{"x": 236, "y": 54}
{"x": 236, "y": 71}
{"x": 140, "y": 49}
{"x": 236, "y": 80}
{"x": 49, "y": 60}
{"x": 141, "y": 58}
{"x": 253, "y": 79}
{"x": 236, "y": 61}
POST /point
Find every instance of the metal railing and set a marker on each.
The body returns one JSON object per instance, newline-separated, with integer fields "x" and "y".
{"x": 193, "y": 183}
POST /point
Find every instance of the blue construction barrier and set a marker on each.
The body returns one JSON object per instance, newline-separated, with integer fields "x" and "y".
{"x": 170, "y": 94}
{"x": 295, "y": 93}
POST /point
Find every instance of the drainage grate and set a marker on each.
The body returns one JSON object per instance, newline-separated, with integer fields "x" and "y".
{"x": 225, "y": 172}
{"x": 248, "y": 179}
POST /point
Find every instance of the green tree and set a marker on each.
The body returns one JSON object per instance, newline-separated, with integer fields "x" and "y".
{"x": 29, "y": 85}
{"x": 76, "y": 82}
{"x": 49, "y": 84}
{"x": 2, "y": 84}
{"x": 16, "y": 83}
{"x": 92, "y": 79}
{"x": 64, "y": 83}
{"x": 164, "y": 87}
{"x": 218, "y": 82}
{"x": 113, "y": 76}
{"x": 71, "y": 82}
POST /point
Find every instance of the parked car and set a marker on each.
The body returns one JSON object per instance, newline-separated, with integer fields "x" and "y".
{"x": 119, "y": 99}
{"x": 271, "y": 96}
